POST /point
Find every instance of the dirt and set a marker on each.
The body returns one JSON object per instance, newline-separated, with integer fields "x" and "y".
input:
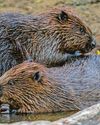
{"x": 88, "y": 10}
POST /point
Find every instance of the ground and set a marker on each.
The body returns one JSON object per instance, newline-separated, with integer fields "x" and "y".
{"x": 88, "y": 10}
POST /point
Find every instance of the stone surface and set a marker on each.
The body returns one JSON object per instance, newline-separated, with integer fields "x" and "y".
{"x": 89, "y": 116}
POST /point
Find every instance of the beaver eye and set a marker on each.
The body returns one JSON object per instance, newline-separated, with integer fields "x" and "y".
{"x": 82, "y": 30}
{"x": 11, "y": 82}
{"x": 36, "y": 76}
{"x": 63, "y": 16}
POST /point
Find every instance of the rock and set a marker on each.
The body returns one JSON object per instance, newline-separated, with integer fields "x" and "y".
{"x": 89, "y": 116}
{"x": 30, "y": 123}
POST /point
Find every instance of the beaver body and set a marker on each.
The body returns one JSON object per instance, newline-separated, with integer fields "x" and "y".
{"x": 32, "y": 88}
{"x": 26, "y": 88}
{"x": 82, "y": 77}
{"x": 49, "y": 38}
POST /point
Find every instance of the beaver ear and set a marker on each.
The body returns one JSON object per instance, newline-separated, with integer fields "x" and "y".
{"x": 36, "y": 76}
{"x": 62, "y": 16}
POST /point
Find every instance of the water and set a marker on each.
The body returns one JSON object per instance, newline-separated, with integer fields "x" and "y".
{"x": 10, "y": 118}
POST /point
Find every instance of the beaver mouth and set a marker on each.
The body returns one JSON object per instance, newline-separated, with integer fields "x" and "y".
{"x": 83, "y": 51}
{"x": 8, "y": 107}
{"x": 4, "y": 109}
{"x": 80, "y": 52}
{"x": 89, "y": 46}
{"x": 86, "y": 49}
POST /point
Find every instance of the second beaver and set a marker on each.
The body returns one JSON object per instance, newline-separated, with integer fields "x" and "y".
{"x": 27, "y": 89}
{"x": 31, "y": 88}
{"x": 49, "y": 37}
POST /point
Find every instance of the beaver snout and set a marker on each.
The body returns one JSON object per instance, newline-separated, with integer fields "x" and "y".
{"x": 89, "y": 46}
{"x": 93, "y": 43}
{"x": 1, "y": 90}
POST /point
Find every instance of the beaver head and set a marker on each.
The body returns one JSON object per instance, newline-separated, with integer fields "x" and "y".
{"x": 27, "y": 89}
{"x": 61, "y": 32}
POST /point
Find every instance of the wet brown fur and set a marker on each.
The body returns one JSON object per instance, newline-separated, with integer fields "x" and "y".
{"x": 27, "y": 95}
{"x": 73, "y": 86}
{"x": 48, "y": 39}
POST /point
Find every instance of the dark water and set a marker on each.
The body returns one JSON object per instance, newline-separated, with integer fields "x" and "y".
{"x": 6, "y": 118}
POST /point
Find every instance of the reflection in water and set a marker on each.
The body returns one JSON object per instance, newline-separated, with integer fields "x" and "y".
{"x": 7, "y": 118}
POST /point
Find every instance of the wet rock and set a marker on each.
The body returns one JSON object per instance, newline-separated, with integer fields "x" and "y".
{"x": 30, "y": 123}
{"x": 89, "y": 116}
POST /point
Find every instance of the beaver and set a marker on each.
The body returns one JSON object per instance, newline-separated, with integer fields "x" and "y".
{"x": 49, "y": 38}
{"x": 27, "y": 89}
{"x": 32, "y": 88}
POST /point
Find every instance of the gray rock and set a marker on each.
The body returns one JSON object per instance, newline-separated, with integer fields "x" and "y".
{"x": 89, "y": 116}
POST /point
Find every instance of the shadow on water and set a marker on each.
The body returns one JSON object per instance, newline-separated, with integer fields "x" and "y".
{"x": 9, "y": 118}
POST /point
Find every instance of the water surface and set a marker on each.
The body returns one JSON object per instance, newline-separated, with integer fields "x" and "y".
{"x": 9, "y": 118}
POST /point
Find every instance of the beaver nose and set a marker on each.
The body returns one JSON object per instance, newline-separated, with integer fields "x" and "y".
{"x": 1, "y": 90}
{"x": 93, "y": 43}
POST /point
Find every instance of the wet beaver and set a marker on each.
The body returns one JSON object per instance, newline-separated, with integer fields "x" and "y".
{"x": 27, "y": 89}
{"x": 32, "y": 88}
{"x": 49, "y": 37}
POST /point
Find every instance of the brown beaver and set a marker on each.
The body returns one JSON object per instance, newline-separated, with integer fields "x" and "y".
{"x": 32, "y": 88}
{"x": 49, "y": 37}
{"x": 27, "y": 89}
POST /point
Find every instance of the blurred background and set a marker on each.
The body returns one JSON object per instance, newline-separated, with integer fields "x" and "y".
{"x": 88, "y": 10}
